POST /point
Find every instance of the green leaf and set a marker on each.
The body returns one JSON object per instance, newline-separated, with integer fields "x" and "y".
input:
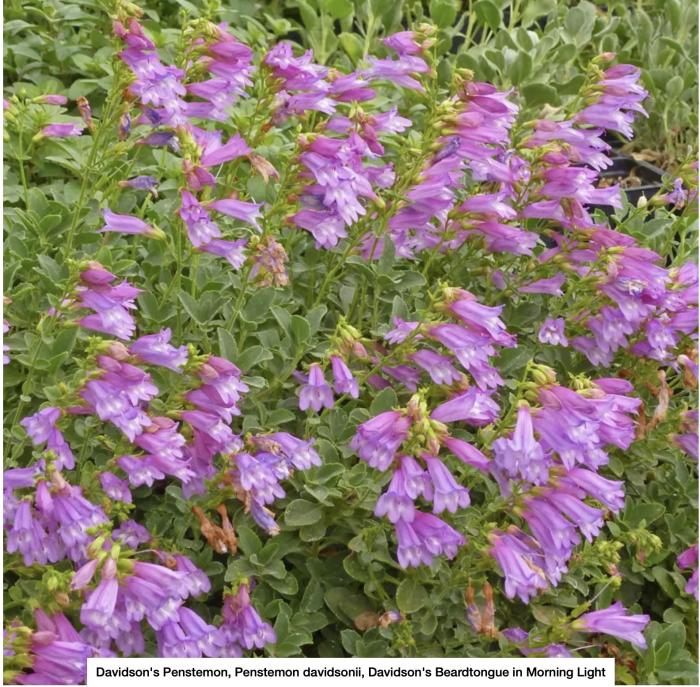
{"x": 579, "y": 22}
{"x": 300, "y": 329}
{"x": 384, "y": 400}
{"x": 662, "y": 655}
{"x": 488, "y": 13}
{"x": 300, "y": 512}
{"x": 539, "y": 94}
{"x": 411, "y": 596}
{"x": 227, "y": 344}
{"x": 258, "y": 306}
{"x": 339, "y": 9}
{"x": 443, "y": 12}
{"x": 312, "y": 599}
{"x": 520, "y": 68}
{"x": 252, "y": 356}
{"x": 547, "y": 615}
{"x": 308, "y": 15}
{"x": 534, "y": 9}
{"x": 673, "y": 634}
{"x": 648, "y": 512}
{"x": 674, "y": 87}
{"x": 352, "y": 45}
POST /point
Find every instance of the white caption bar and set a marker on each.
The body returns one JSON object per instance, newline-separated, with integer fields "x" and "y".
{"x": 286, "y": 672}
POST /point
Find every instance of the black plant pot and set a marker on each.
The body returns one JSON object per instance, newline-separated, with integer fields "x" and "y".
{"x": 626, "y": 167}
{"x": 613, "y": 140}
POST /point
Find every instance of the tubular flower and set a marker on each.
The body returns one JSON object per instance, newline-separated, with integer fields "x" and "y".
{"x": 616, "y": 621}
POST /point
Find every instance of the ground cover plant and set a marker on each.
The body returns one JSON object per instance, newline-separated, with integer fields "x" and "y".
{"x": 327, "y": 335}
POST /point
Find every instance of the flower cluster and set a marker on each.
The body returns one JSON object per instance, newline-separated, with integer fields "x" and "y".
{"x": 256, "y": 474}
{"x": 160, "y": 91}
{"x": 557, "y": 470}
{"x": 408, "y": 442}
{"x": 385, "y": 167}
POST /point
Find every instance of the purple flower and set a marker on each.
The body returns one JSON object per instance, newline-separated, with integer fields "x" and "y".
{"x": 446, "y": 493}
{"x": 401, "y": 71}
{"x": 155, "y": 349}
{"x": 315, "y": 394}
{"x": 111, "y": 304}
{"x": 83, "y": 576}
{"x": 467, "y": 453}
{"x": 126, "y": 224}
{"x": 232, "y": 251}
{"x": 610, "y": 493}
{"x": 473, "y": 351}
{"x": 200, "y": 227}
{"x": 425, "y": 537}
{"x": 114, "y": 487}
{"x": 100, "y": 604}
{"x": 401, "y": 331}
{"x": 473, "y": 407}
{"x": 438, "y": 366}
{"x": 621, "y": 97}
{"x": 131, "y": 534}
{"x": 524, "y": 577}
{"x": 57, "y": 653}
{"x": 295, "y": 72}
{"x": 264, "y": 517}
{"x": 52, "y": 99}
{"x": 188, "y": 636}
{"x": 678, "y": 196}
{"x": 551, "y": 286}
{"x": 140, "y": 470}
{"x": 325, "y": 226}
{"x": 242, "y": 626}
{"x": 238, "y": 209}
{"x": 28, "y": 537}
{"x": 403, "y": 43}
{"x": 297, "y": 452}
{"x": 5, "y": 347}
{"x": 616, "y": 621}
{"x": 343, "y": 380}
{"x": 142, "y": 182}
{"x": 552, "y": 332}
{"x": 404, "y": 374}
{"x": 259, "y": 474}
{"x": 552, "y": 531}
{"x": 114, "y": 321}
{"x": 341, "y": 181}
{"x": 396, "y": 503}
{"x": 111, "y": 404}
{"x": 61, "y": 131}
{"x": 481, "y": 318}
{"x": 216, "y": 153}
{"x": 71, "y": 515}
{"x": 41, "y": 428}
{"x": 689, "y": 559}
{"x": 377, "y": 440}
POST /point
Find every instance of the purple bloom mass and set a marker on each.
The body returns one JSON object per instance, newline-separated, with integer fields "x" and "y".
{"x": 137, "y": 447}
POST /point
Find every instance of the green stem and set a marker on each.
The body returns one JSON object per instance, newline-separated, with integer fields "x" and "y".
{"x": 239, "y": 299}
{"x": 104, "y": 125}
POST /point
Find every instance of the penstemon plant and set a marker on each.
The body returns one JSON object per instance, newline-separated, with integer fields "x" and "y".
{"x": 295, "y": 353}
